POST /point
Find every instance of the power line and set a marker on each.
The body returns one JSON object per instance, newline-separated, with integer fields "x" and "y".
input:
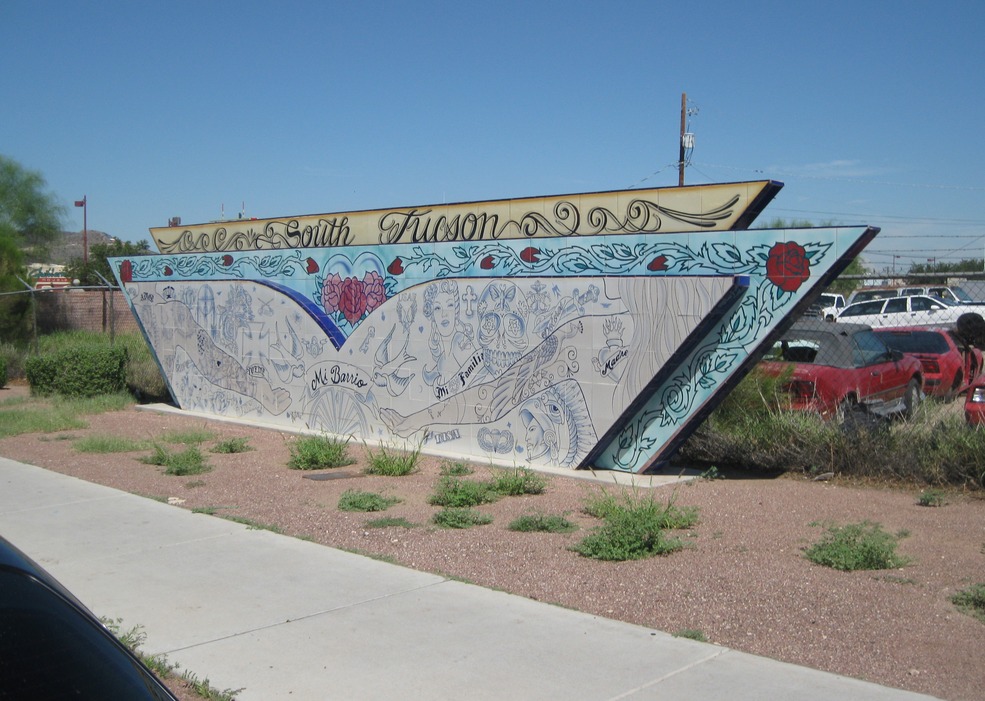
{"x": 799, "y": 174}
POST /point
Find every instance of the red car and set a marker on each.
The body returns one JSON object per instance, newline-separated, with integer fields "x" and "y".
{"x": 974, "y": 403}
{"x": 950, "y": 364}
{"x": 835, "y": 367}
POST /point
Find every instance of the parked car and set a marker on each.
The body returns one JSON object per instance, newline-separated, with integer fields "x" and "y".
{"x": 831, "y": 368}
{"x": 829, "y": 304}
{"x": 912, "y": 310}
{"x": 866, "y": 294}
{"x": 53, "y": 647}
{"x": 974, "y": 403}
{"x": 949, "y": 363}
{"x": 952, "y": 293}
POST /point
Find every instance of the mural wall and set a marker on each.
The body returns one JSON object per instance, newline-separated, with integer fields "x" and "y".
{"x": 597, "y": 350}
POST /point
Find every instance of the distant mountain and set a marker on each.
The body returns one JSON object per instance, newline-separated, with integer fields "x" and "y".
{"x": 69, "y": 246}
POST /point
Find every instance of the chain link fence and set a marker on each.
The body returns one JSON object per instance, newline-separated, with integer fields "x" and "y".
{"x": 98, "y": 309}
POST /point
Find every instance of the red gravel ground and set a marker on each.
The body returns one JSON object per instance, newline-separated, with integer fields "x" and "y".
{"x": 742, "y": 581}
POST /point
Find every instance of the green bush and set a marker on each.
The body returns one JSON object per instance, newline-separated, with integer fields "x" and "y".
{"x": 189, "y": 461}
{"x": 857, "y": 546}
{"x": 391, "y": 462}
{"x": 3, "y": 371}
{"x": 627, "y": 536}
{"x": 144, "y": 378}
{"x": 240, "y": 444}
{"x": 542, "y": 523}
{"x": 81, "y": 371}
{"x": 318, "y": 452}
{"x": 519, "y": 481}
{"x": 971, "y": 601}
{"x": 355, "y": 500}
{"x": 456, "y": 469}
{"x": 633, "y": 526}
{"x": 457, "y": 493}
{"x": 749, "y": 431}
{"x": 460, "y": 518}
{"x": 12, "y": 357}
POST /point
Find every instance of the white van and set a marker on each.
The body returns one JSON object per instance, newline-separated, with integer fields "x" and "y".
{"x": 951, "y": 293}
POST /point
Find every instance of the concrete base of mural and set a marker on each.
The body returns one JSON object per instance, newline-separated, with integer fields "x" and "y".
{"x": 570, "y": 352}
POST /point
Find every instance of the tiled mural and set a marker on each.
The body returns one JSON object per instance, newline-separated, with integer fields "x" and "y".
{"x": 522, "y": 346}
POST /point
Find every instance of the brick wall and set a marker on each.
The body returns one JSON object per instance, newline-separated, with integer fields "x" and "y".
{"x": 89, "y": 310}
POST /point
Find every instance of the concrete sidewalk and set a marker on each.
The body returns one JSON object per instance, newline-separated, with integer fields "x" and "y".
{"x": 287, "y": 619}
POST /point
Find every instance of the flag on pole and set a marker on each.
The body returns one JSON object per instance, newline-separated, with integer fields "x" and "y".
{"x": 80, "y": 203}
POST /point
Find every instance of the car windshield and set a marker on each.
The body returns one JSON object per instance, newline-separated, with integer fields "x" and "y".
{"x": 810, "y": 347}
{"x": 959, "y": 294}
{"x": 914, "y": 341}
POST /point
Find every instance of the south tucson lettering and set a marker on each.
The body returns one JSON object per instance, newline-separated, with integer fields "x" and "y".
{"x": 418, "y": 226}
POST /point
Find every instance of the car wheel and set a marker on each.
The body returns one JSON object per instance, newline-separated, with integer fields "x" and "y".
{"x": 911, "y": 398}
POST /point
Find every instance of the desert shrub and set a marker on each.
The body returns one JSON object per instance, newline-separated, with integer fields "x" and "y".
{"x": 749, "y": 431}
{"x": 144, "y": 378}
{"x": 627, "y": 535}
{"x": 189, "y": 461}
{"x": 971, "y": 601}
{"x": 12, "y": 357}
{"x": 355, "y": 500}
{"x": 542, "y": 523}
{"x": 932, "y": 497}
{"x": 604, "y": 504}
{"x": 518, "y": 481}
{"x": 456, "y": 469}
{"x": 857, "y": 546}
{"x": 460, "y": 518}
{"x": 3, "y": 371}
{"x": 391, "y": 462}
{"x": 239, "y": 444}
{"x": 81, "y": 371}
{"x": 633, "y": 526}
{"x": 318, "y": 452}
{"x": 456, "y": 493}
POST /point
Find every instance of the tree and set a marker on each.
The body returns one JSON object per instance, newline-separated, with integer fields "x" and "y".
{"x": 846, "y": 287}
{"x": 29, "y": 216}
{"x": 967, "y": 267}
{"x": 98, "y": 263}
{"x": 29, "y": 219}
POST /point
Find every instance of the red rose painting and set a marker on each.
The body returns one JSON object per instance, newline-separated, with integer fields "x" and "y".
{"x": 529, "y": 255}
{"x": 126, "y": 271}
{"x": 396, "y": 267}
{"x": 352, "y": 300}
{"x": 331, "y": 293}
{"x": 787, "y": 266}
{"x": 374, "y": 289}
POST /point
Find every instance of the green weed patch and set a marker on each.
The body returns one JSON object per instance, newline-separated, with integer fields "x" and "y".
{"x": 857, "y": 546}
{"x": 318, "y": 452}
{"x": 354, "y": 500}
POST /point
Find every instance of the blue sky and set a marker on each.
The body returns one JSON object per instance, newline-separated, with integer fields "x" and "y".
{"x": 869, "y": 112}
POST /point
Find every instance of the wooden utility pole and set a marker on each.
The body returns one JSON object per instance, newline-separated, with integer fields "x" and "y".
{"x": 680, "y": 162}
